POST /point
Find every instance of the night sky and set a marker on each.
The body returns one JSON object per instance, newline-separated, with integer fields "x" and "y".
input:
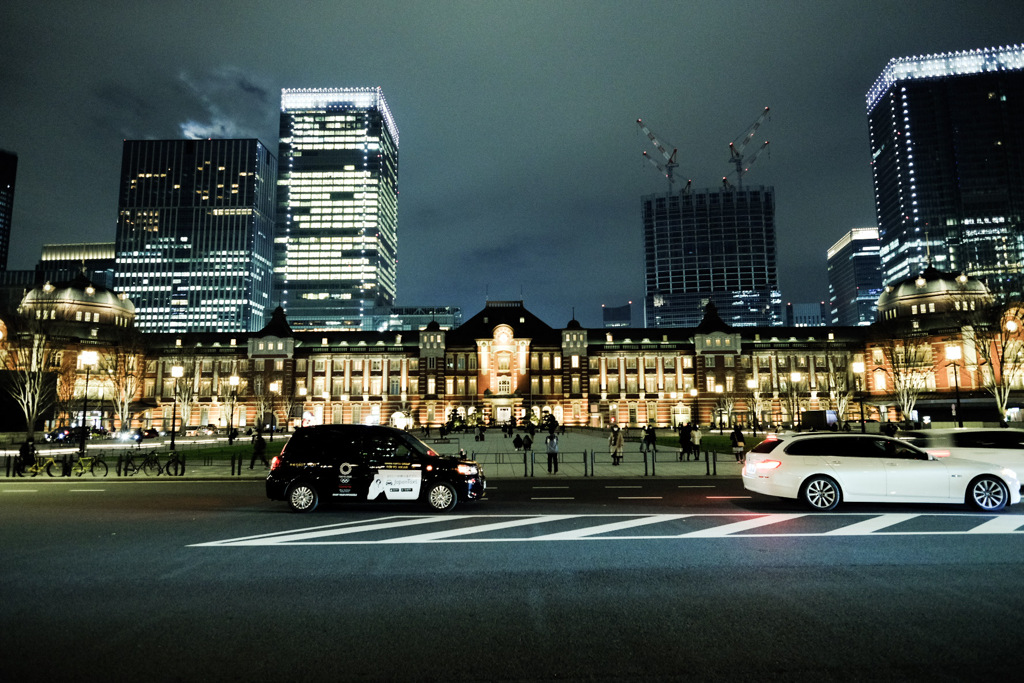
{"x": 520, "y": 166}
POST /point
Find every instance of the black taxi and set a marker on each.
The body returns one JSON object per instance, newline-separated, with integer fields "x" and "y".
{"x": 369, "y": 463}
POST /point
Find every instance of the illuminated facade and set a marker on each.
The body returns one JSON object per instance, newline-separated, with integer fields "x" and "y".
{"x": 336, "y": 245}
{"x": 854, "y": 278}
{"x": 948, "y": 163}
{"x": 715, "y": 245}
{"x": 8, "y": 174}
{"x": 194, "y": 241}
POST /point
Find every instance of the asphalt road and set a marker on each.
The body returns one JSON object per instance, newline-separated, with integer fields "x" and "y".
{"x": 549, "y": 579}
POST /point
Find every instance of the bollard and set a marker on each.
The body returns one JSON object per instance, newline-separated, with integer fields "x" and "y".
{"x": 182, "y": 470}
{"x": 117, "y": 467}
{"x": 8, "y": 465}
{"x": 654, "y": 463}
{"x": 66, "y": 466}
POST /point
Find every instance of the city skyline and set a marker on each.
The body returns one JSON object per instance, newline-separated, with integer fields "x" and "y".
{"x": 522, "y": 162}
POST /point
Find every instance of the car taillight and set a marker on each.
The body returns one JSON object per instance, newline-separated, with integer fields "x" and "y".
{"x": 769, "y": 464}
{"x": 276, "y": 462}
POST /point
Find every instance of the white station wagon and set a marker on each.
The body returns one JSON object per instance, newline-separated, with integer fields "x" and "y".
{"x": 823, "y": 470}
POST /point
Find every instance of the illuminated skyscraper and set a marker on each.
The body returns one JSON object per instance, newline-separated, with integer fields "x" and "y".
{"x": 948, "y": 161}
{"x": 8, "y": 173}
{"x": 854, "y": 278}
{"x": 336, "y": 245}
{"x": 715, "y": 245}
{"x": 195, "y": 234}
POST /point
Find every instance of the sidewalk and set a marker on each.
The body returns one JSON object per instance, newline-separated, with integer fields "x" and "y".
{"x": 496, "y": 455}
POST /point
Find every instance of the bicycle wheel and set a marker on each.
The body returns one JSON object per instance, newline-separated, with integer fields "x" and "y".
{"x": 54, "y": 469}
{"x": 98, "y": 469}
{"x": 152, "y": 467}
{"x": 173, "y": 468}
{"x": 128, "y": 467}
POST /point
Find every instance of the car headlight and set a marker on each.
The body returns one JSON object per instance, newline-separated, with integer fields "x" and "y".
{"x": 467, "y": 469}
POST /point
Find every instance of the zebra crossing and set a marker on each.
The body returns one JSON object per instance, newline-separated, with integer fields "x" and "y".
{"x": 414, "y": 529}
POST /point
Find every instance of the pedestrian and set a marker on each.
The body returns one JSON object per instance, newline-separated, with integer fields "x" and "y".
{"x": 615, "y": 443}
{"x": 685, "y": 433}
{"x": 259, "y": 451}
{"x": 527, "y": 443}
{"x": 26, "y": 457}
{"x": 650, "y": 440}
{"x": 695, "y": 436}
{"x": 551, "y": 442}
{"x": 738, "y": 445}
{"x": 517, "y": 442}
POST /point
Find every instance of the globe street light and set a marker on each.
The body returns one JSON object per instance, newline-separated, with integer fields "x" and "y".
{"x": 858, "y": 369}
{"x": 232, "y": 399}
{"x": 177, "y": 372}
{"x": 88, "y": 359}
{"x": 795, "y": 377}
{"x": 752, "y": 387}
{"x": 275, "y": 387}
{"x": 953, "y": 354}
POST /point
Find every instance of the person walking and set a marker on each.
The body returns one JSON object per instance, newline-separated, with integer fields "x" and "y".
{"x": 551, "y": 443}
{"x": 517, "y": 442}
{"x": 685, "y": 432}
{"x": 527, "y": 443}
{"x": 695, "y": 436}
{"x": 650, "y": 440}
{"x": 259, "y": 451}
{"x": 738, "y": 445}
{"x": 615, "y": 444}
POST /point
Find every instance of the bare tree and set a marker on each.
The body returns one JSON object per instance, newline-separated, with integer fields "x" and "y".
{"x": 186, "y": 356}
{"x": 124, "y": 367}
{"x": 30, "y": 357}
{"x": 67, "y": 379}
{"x": 841, "y": 387}
{"x": 909, "y": 364}
{"x": 261, "y": 378}
{"x": 993, "y": 333}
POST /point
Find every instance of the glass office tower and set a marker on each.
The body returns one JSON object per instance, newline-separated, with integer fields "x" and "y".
{"x": 8, "y": 174}
{"x": 336, "y": 245}
{"x": 948, "y": 161}
{"x": 195, "y": 228}
{"x": 854, "y": 278}
{"x": 715, "y": 245}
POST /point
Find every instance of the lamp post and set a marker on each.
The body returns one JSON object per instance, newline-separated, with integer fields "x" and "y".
{"x": 275, "y": 387}
{"x": 858, "y": 369}
{"x": 695, "y": 416}
{"x": 177, "y": 372}
{"x": 795, "y": 377}
{"x": 752, "y": 387}
{"x": 87, "y": 359}
{"x": 719, "y": 389}
{"x": 232, "y": 400}
{"x": 953, "y": 354}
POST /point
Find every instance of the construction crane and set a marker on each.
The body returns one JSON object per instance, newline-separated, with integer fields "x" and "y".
{"x": 736, "y": 150}
{"x": 670, "y": 165}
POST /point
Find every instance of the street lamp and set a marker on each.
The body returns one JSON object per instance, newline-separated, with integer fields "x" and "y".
{"x": 858, "y": 369}
{"x": 795, "y": 377}
{"x": 275, "y": 387}
{"x": 87, "y": 359}
{"x": 177, "y": 372}
{"x": 232, "y": 399}
{"x": 718, "y": 390}
{"x": 953, "y": 354}
{"x": 752, "y": 387}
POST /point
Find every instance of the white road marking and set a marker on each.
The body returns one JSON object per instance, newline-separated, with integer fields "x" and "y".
{"x": 870, "y": 525}
{"x": 725, "y": 525}
{"x": 745, "y": 525}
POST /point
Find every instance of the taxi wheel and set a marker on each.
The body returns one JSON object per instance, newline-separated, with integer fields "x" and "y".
{"x": 988, "y": 494}
{"x": 442, "y": 497}
{"x": 302, "y": 497}
{"x": 821, "y": 493}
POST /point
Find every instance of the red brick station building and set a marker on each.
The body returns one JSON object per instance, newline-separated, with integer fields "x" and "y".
{"x": 506, "y": 364}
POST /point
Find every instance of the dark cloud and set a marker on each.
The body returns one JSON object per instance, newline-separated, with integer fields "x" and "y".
{"x": 520, "y": 163}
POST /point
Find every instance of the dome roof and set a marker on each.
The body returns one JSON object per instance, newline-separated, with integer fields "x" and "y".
{"x": 79, "y": 294}
{"x": 932, "y": 286}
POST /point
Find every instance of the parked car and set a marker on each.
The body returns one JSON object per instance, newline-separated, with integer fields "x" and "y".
{"x": 823, "y": 470}
{"x": 369, "y": 463}
{"x": 998, "y": 446}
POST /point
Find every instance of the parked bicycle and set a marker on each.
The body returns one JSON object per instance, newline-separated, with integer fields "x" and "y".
{"x": 150, "y": 465}
{"x": 52, "y": 466}
{"x": 174, "y": 467}
{"x": 93, "y": 464}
